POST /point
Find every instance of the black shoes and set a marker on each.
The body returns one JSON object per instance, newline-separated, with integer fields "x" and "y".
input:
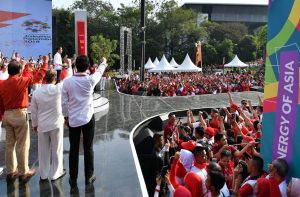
{"x": 90, "y": 180}
{"x": 43, "y": 180}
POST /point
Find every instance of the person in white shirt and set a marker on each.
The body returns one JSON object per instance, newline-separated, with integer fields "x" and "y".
{"x": 47, "y": 120}
{"x": 3, "y": 72}
{"x": 78, "y": 110}
{"x": 15, "y": 56}
{"x": 57, "y": 62}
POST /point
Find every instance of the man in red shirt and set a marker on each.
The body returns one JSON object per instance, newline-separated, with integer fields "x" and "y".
{"x": 255, "y": 169}
{"x": 14, "y": 104}
{"x": 170, "y": 129}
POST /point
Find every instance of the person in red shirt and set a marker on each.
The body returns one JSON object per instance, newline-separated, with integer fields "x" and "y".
{"x": 227, "y": 167}
{"x": 170, "y": 129}
{"x": 262, "y": 188}
{"x": 255, "y": 169}
{"x": 14, "y": 99}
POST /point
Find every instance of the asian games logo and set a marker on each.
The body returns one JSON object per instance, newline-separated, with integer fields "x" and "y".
{"x": 35, "y": 26}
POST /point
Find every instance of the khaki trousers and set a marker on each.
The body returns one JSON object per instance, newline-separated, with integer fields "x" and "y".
{"x": 16, "y": 124}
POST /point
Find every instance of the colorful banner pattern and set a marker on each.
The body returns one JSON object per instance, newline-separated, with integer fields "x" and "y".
{"x": 26, "y": 27}
{"x": 281, "y": 119}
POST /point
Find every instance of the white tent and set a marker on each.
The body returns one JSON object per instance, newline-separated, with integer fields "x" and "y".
{"x": 236, "y": 63}
{"x": 149, "y": 64}
{"x": 188, "y": 66}
{"x": 163, "y": 66}
{"x": 174, "y": 63}
{"x": 156, "y": 61}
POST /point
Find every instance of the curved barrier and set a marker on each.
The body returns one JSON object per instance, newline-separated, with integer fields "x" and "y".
{"x": 141, "y": 141}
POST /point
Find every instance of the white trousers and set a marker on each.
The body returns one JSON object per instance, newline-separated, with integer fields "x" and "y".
{"x": 102, "y": 83}
{"x": 50, "y": 146}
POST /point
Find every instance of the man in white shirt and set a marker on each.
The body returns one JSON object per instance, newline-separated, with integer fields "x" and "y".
{"x": 48, "y": 121}
{"x": 58, "y": 62}
{"x": 78, "y": 110}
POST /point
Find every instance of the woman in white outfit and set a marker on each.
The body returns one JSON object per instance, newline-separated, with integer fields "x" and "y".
{"x": 47, "y": 120}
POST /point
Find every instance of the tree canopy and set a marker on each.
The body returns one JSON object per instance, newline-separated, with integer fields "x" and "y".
{"x": 170, "y": 29}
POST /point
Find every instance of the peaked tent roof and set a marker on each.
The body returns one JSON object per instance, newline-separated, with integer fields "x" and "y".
{"x": 149, "y": 64}
{"x": 163, "y": 66}
{"x": 156, "y": 61}
{"x": 188, "y": 66}
{"x": 174, "y": 63}
{"x": 236, "y": 63}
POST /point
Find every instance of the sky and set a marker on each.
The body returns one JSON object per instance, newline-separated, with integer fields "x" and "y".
{"x": 67, "y": 3}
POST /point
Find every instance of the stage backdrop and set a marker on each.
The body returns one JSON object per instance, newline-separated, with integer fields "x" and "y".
{"x": 281, "y": 119}
{"x": 26, "y": 27}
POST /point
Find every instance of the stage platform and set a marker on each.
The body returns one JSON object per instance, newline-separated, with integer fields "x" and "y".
{"x": 115, "y": 166}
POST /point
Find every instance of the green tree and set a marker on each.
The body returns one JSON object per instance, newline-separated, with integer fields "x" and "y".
{"x": 63, "y": 34}
{"x": 234, "y": 31}
{"x": 209, "y": 54}
{"x": 221, "y": 31}
{"x": 103, "y": 47}
{"x": 247, "y": 48}
{"x": 224, "y": 50}
{"x": 261, "y": 41}
{"x": 178, "y": 30}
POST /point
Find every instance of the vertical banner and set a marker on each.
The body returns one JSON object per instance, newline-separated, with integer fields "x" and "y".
{"x": 26, "y": 27}
{"x": 281, "y": 119}
{"x": 81, "y": 32}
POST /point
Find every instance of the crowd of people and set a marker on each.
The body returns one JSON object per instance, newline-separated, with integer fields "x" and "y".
{"x": 189, "y": 84}
{"x": 60, "y": 97}
{"x": 218, "y": 155}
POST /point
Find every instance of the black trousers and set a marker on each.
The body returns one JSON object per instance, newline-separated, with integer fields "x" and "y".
{"x": 58, "y": 72}
{"x": 74, "y": 137}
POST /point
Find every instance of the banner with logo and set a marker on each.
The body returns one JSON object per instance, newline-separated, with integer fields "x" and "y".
{"x": 281, "y": 119}
{"x": 26, "y": 27}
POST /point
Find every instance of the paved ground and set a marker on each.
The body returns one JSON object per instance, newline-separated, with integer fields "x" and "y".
{"x": 114, "y": 165}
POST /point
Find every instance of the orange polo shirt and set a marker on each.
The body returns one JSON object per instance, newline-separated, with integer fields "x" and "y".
{"x": 14, "y": 90}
